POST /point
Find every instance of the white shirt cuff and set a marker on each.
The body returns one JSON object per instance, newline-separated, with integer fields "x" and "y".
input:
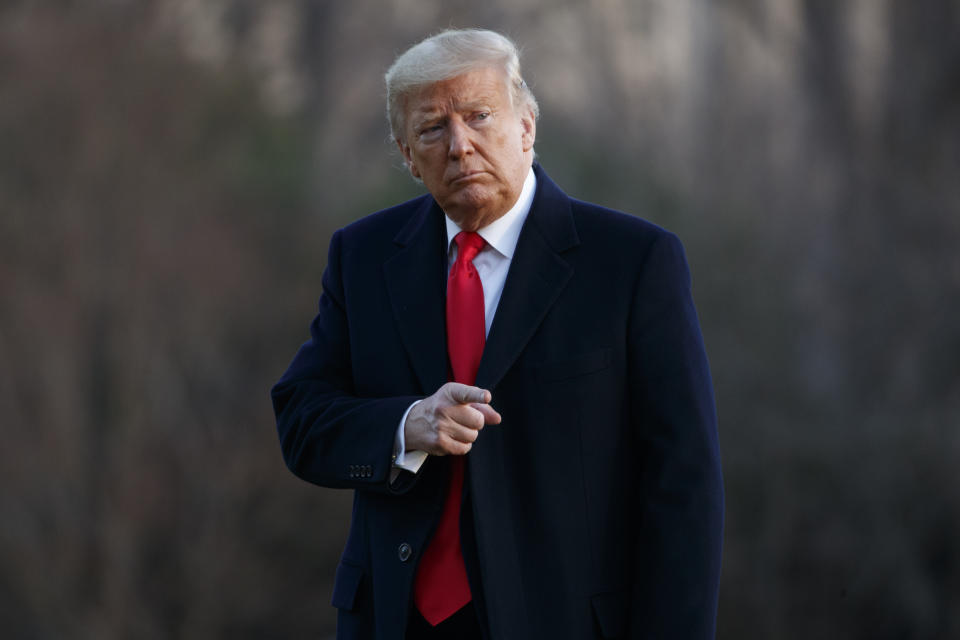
{"x": 402, "y": 459}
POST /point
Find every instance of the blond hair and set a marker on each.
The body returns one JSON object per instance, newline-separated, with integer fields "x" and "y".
{"x": 449, "y": 54}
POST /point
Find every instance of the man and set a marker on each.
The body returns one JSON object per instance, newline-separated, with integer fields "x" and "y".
{"x": 514, "y": 384}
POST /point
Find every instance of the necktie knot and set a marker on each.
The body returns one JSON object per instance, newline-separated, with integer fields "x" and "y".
{"x": 469, "y": 244}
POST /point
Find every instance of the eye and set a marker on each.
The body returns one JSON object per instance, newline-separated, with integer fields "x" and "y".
{"x": 483, "y": 115}
{"x": 430, "y": 131}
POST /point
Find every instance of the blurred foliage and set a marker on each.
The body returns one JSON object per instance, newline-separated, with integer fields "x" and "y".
{"x": 170, "y": 175}
{"x": 151, "y": 231}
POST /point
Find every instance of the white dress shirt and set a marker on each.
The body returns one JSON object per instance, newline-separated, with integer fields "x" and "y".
{"x": 492, "y": 264}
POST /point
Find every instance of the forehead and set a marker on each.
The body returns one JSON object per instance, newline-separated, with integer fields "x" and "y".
{"x": 480, "y": 85}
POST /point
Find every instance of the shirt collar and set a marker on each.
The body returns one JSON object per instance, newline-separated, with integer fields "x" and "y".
{"x": 502, "y": 234}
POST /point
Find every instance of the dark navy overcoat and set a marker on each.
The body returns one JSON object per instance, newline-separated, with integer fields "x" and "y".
{"x": 595, "y": 509}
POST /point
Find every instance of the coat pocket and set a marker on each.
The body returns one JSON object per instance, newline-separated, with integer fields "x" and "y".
{"x": 345, "y": 586}
{"x": 610, "y": 610}
{"x": 578, "y": 365}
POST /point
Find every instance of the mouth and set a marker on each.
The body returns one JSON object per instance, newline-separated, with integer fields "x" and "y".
{"x": 467, "y": 176}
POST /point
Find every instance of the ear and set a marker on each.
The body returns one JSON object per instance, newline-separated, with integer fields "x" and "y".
{"x": 528, "y": 122}
{"x": 408, "y": 158}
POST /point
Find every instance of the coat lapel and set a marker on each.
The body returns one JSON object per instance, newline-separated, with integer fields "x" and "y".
{"x": 538, "y": 273}
{"x": 416, "y": 281}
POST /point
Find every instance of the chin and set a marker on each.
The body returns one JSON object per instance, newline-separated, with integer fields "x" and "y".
{"x": 473, "y": 196}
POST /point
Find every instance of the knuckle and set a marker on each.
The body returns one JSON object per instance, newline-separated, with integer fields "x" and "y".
{"x": 446, "y": 443}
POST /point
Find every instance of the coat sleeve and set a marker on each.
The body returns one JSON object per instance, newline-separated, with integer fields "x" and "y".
{"x": 328, "y": 435}
{"x": 681, "y": 489}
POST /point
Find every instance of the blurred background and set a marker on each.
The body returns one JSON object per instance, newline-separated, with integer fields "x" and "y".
{"x": 171, "y": 173}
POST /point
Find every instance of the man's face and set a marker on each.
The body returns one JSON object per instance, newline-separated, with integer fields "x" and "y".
{"x": 469, "y": 145}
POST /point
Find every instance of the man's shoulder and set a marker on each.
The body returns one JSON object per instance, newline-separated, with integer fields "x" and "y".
{"x": 610, "y": 227}
{"x": 392, "y": 218}
{"x": 594, "y": 228}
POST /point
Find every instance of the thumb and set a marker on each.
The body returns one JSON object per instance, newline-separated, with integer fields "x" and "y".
{"x": 465, "y": 394}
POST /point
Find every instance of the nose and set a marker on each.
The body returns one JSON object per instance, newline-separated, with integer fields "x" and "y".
{"x": 460, "y": 139}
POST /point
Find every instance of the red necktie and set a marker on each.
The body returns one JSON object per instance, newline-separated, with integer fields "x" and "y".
{"x": 441, "y": 587}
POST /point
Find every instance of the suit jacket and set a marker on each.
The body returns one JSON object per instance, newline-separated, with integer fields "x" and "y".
{"x": 596, "y": 506}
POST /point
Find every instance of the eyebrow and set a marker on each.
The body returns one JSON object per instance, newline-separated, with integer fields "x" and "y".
{"x": 433, "y": 111}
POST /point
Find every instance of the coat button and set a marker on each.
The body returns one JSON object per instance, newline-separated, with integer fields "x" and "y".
{"x": 404, "y": 551}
